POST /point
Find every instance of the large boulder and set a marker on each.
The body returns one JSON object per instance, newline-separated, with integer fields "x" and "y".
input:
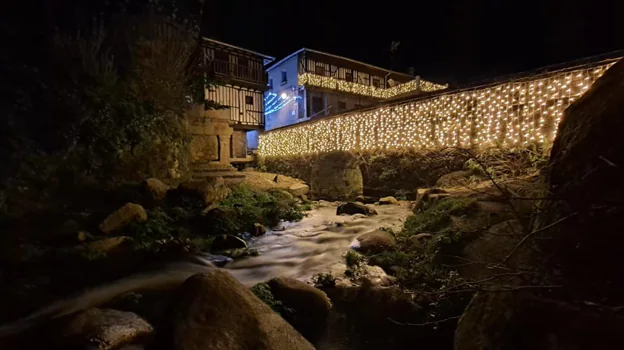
{"x": 375, "y": 242}
{"x": 518, "y": 321}
{"x": 336, "y": 176}
{"x": 214, "y": 311}
{"x": 299, "y": 189}
{"x": 104, "y": 329}
{"x": 124, "y": 216}
{"x": 352, "y": 208}
{"x": 227, "y": 242}
{"x": 311, "y": 306}
{"x": 155, "y": 189}
{"x": 584, "y": 174}
{"x": 209, "y": 190}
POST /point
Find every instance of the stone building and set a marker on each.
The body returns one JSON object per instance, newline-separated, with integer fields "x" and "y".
{"x": 219, "y": 136}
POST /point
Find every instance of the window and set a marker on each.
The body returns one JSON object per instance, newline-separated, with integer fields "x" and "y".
{"x": 349, "y": 76}
{"x": 249, "y": 100}
{"x": 376, "y": 82}
{"x": 357, "y": 106}
{"x": 319, "y": 70}
{"x": 317, "y": 104}
{"x": 270, "y": 83}
{"x": 284, "y": 78}
{"x": 342, "y": 105}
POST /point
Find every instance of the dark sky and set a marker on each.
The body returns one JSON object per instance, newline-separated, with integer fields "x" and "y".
{"x": 445, "y": 40}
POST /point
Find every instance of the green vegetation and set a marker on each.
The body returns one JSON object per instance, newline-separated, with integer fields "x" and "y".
{"x": 425, "y": 265}
{"x": 263, "y": 292}
{"x": 244, "y": 207}
{"x": 438, "y": 216}
{"x": 324, "y": 280}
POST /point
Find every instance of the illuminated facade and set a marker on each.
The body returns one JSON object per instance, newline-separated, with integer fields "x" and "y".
{"x": 510, "y": 114}
{"x": 309, "y": 84}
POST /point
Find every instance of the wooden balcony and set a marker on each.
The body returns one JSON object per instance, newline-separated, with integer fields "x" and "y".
{"x": 227, "y": 70}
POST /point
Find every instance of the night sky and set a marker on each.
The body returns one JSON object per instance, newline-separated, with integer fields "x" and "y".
{"x": 444, "y": 40}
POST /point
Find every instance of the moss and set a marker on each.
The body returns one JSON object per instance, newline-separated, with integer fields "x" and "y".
{"x": 353, "y": 259}
{"x": 263, "y": 292}
{"x": 438, "y": 216}
{"x": 245, "y": 207}
{"x": 324, "y": 280}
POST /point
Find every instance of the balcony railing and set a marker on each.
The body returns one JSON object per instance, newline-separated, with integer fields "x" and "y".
{"x": 236, "y": 71}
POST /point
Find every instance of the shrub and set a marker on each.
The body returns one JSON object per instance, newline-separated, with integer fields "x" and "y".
{"x": 245, "y": 207}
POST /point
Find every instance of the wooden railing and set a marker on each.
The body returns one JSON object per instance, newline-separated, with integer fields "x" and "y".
{"x": 225, "y": 68}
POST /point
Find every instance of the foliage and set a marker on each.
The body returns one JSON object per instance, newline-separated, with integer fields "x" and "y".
{"x": 263, "y": 292}
{"x": 246, "y": 207}
{"x": 438, "y": 215}
{"x": 324, "y": 280}
{"x": 501, "y": 164}
{"x": 353, "y": 259}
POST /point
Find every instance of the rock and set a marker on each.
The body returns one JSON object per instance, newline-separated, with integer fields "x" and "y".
{"x": 585, "y": 172}
{"x": 105, "y": 245}
{"x": 225, "y": 242}
{"x": 492, "y": 321}
{"x": 209, "y": 190}
{"x": 104, "y": 329}
{"x": 420, "y": 240}
{"x": 455, "y": 179}
{"x": 365, "y": 199}
{"x": 425, "y": 197}
{"x": 299, "y": 189}
{"x": 376, "y": 241}
{"x": 209, "y": 208}
{"x": 217, "y": 260}
{"x": 155, "y": 189}
{"x": 375, "y": 276}
{"x": 336, "y": 176}
{"x": 214, "y": 311}
{"x": 351, "y": 208}
{"x": 276, "y": 178}
{"x": 259, "y": 229}
{"x": 83, "y": 236}
{"x": 388, "y": 201}
{"x": 124, "y": 216}
{"x": 311, "y": 305}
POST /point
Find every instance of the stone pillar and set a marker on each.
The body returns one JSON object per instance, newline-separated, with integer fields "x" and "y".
{"x": 224, "y": 150}
{"x": 336, "y": 176}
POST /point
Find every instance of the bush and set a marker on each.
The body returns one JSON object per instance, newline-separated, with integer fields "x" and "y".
{"x": 245, "y": 207}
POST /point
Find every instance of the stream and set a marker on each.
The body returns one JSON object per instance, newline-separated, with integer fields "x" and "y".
{"x": 313, "y": 245}
{"x": 299, "y": 249}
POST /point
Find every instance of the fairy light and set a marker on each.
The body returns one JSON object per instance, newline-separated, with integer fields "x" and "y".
{"x": 367, "y": 90}
{"x": 511, "y": 114}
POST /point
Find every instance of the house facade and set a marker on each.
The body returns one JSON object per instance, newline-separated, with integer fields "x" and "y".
{"x": 238, "y": 82}
{"x": 309, "y": 84}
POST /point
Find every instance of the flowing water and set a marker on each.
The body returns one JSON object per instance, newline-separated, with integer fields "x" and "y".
{"x": 300, "y": 249}
{"x": 313, "y": 245}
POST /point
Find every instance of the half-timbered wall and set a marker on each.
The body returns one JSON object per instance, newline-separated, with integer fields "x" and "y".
{"x": 245, "y": 105}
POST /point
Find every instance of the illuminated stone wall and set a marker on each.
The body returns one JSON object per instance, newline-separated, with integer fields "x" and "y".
{"x": 510, "y": 114}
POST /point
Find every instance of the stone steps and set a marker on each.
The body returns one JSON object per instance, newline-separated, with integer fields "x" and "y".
{"x": 204, "y": 170}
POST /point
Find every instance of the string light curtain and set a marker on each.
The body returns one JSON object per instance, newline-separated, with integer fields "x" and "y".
{"x": 511, "y": 114}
